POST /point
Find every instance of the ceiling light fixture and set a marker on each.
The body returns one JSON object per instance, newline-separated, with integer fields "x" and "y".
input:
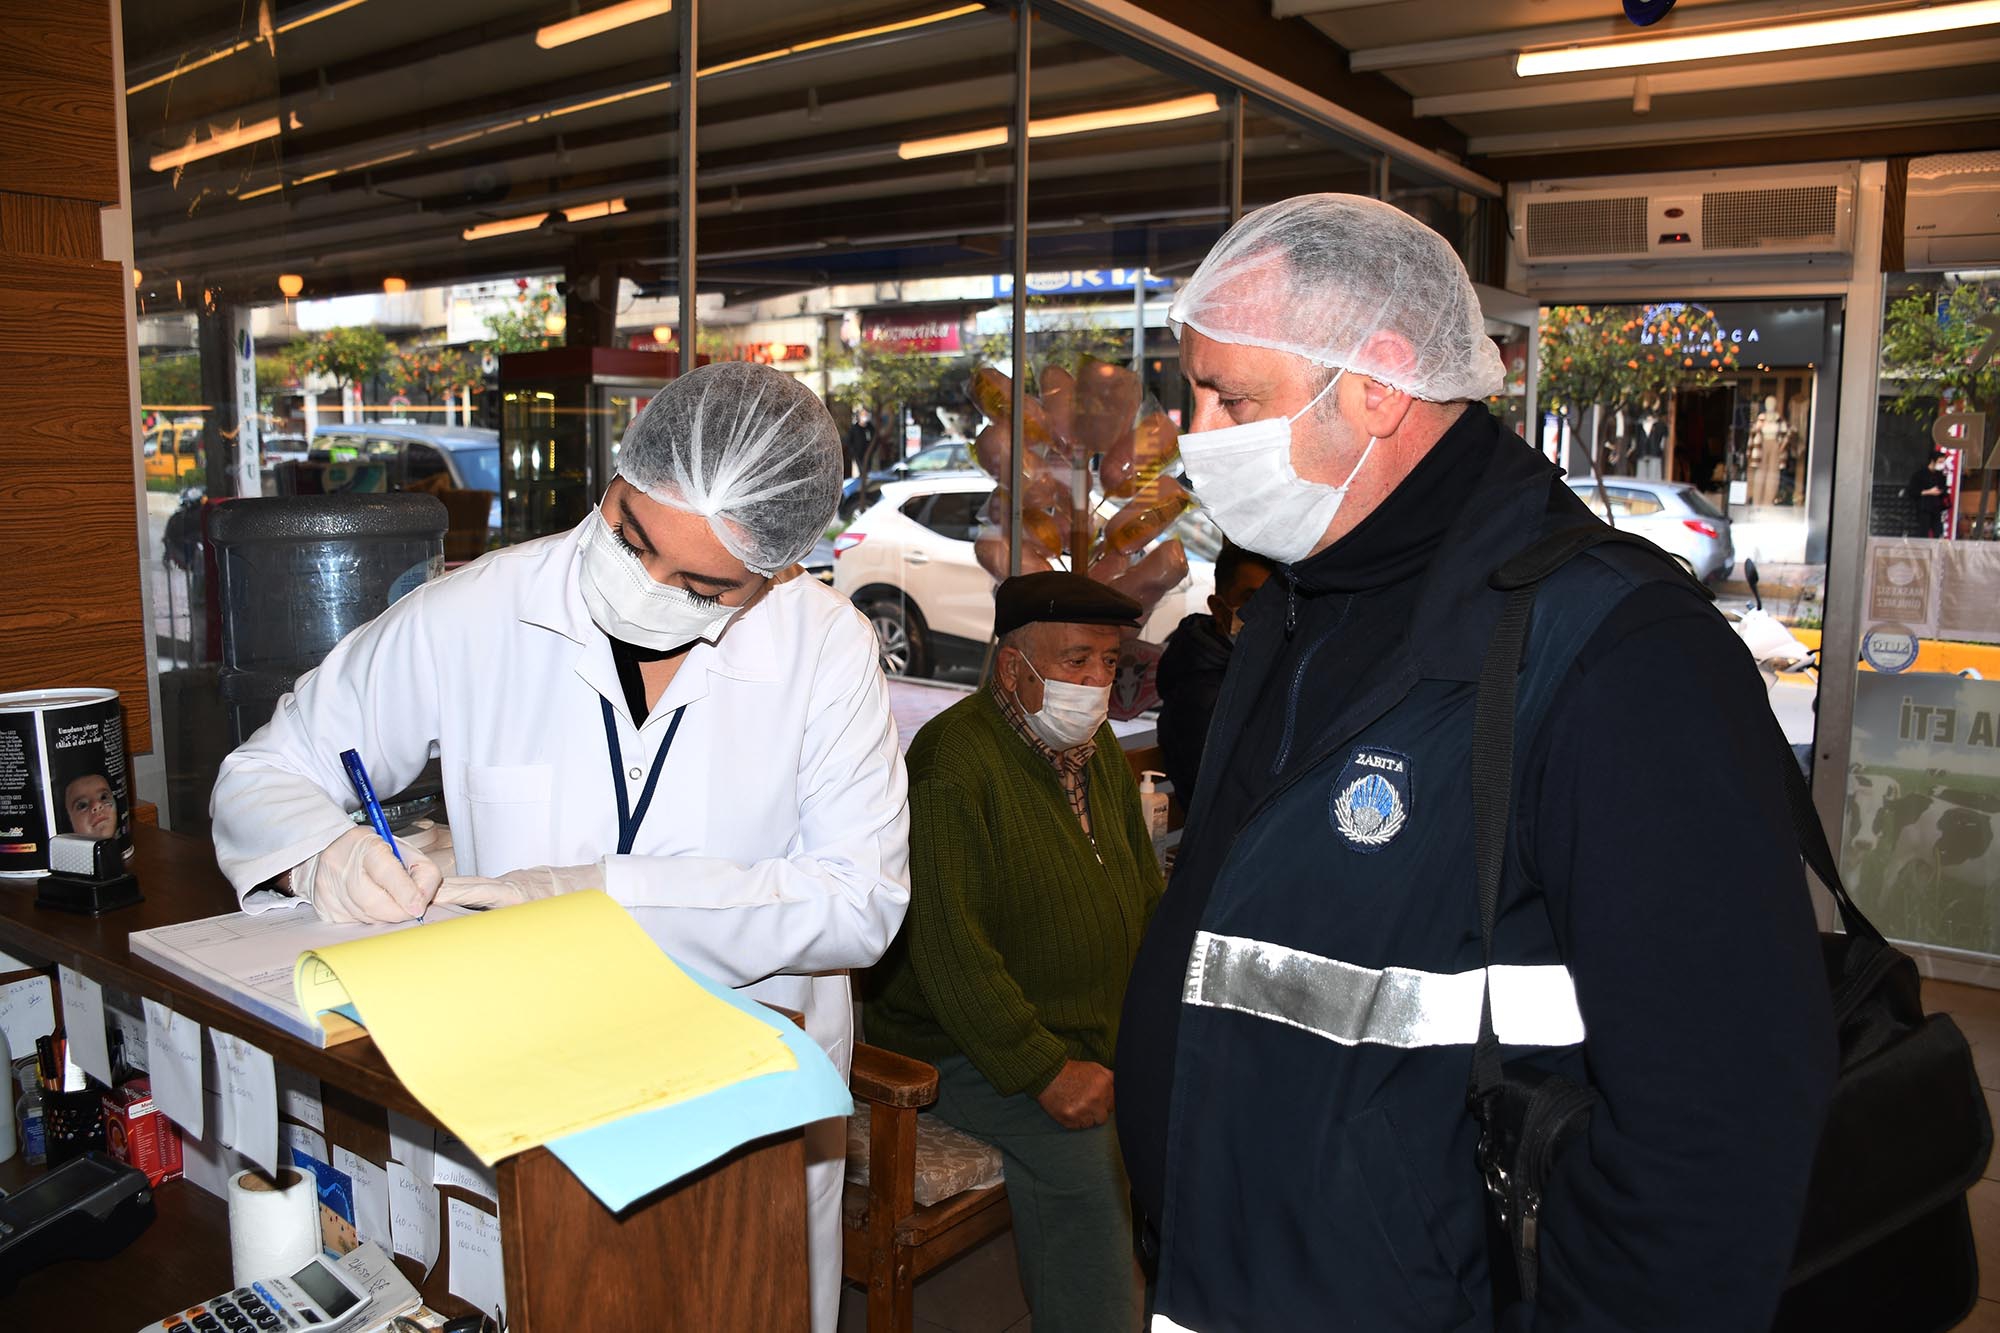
{"x": 394, "y": 286}
{"x": 603, "y": 208}
{"x": 1150, "y": 113}
{"x": 504, "y": 227}
{"x": 600, "y": 21}
{"x": 220, "y": 141}
{"x": 859, "y": 34}
{"x": 291, "y": 284}
{"x": 1755, "y": 41}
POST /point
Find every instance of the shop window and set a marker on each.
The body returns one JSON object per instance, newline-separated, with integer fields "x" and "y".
{"x": 1920, "y": 838}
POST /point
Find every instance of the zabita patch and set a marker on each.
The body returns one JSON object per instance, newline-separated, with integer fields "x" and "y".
{"x": 1370, "y": 804}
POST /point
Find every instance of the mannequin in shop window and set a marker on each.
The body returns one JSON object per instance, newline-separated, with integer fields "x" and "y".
{"x": 1770, "y": 436}
{"x": 1650, "y": 445}
{"x": 1798, "y": 414}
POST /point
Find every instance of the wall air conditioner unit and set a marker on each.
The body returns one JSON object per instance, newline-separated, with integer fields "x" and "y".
{"x": 1952, "y": 216}
{"x": 1673, "y": 219}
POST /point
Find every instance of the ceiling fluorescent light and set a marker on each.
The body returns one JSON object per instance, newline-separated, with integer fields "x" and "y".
{"x": 598, "y": 21}
{"x": 1756, "y": 41}
{"x": 859, "y": 34}
{"x": 1151, "y": 113}
{"x": 236, "y": 136}
{"x": 504, "y": 227}
{"x": 603, "y": 208}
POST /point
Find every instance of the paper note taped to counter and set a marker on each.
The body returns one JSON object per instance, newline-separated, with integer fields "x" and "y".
{"x": 532, "y": 1022}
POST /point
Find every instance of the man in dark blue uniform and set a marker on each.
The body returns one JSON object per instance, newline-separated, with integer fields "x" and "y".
{"x": 1299, "y": 1026}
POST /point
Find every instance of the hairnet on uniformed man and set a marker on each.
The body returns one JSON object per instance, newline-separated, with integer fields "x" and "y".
{"x": 748, "y": 448}
{"x": 1346, "y": 281}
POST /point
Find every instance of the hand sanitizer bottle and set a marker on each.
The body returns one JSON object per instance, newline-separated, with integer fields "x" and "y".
{"x": 1153, "y": 802}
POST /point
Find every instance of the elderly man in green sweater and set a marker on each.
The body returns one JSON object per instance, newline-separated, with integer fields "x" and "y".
{"x": 1031, "y": 881}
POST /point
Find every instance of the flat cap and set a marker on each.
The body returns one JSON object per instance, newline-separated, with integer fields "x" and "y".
{"x": 1061, "y": 598}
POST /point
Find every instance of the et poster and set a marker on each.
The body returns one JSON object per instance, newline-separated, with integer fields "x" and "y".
{"x": 1921, "y": 840}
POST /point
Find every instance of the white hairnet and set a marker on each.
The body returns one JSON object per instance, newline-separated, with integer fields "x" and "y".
{"x": 748, "y": 448}
{"x": 1346, "y": 281}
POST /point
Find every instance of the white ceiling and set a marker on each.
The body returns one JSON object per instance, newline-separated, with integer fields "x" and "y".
{"x": 1455, "y": 58}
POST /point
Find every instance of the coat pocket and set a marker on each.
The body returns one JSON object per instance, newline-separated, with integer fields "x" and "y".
{"x": 508, "y": 806}
{"x": 1419, "y": 1276}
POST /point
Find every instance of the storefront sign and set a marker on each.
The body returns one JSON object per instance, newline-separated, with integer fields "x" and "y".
{"x": 913, "y": 332}
{"x": 1889, "y": 649}
{"x": 1764, "y": 332}
{"x": 1080, "y": 280}
{"x": 1921, "y": 837}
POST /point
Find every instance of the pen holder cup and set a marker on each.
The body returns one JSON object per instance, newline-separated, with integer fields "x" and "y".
{"x": 72, "y": 1124}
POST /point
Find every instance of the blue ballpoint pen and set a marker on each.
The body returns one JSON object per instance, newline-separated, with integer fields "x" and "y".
{"x": 356, "y": 774}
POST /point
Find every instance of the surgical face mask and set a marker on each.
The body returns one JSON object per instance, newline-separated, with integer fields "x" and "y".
{"x": 1070, "y": 714}
{"x": 1243, "y": 476}
{"x": 630, "y": 604}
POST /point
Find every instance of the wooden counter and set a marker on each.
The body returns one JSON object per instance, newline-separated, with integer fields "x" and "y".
{"x": 721, "y": 1250}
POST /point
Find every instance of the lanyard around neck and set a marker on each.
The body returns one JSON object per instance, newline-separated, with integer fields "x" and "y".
{"x": 630, "y": 817}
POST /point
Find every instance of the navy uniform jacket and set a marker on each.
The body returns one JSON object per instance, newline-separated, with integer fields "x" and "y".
{"x": 1319, "y": 1165}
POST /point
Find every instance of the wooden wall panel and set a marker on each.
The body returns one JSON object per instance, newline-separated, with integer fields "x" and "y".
{"x": 58, "y": 117}
{"x": 33, "y": 224}
{"x": 70, "y": 610}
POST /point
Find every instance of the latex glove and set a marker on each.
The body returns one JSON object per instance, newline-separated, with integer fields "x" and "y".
{"x": 434, "y": 841}
{"x": 357, "y": 878}
{"x": 519, "y": 886}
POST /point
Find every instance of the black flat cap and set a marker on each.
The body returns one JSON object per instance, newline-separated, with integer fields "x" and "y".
{"x": 1062, "y": 598}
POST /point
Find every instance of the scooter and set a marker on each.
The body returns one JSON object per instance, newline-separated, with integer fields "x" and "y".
{"x": 1779, "y": 654}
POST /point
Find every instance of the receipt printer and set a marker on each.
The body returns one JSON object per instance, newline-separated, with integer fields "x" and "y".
{"x": 88, "y": 1208}
{"x": 88, "y": 875}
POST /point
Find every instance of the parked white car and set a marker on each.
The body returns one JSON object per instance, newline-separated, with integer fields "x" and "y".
{"x": 1672, "y": 515}
{"x": 907, "y": 562}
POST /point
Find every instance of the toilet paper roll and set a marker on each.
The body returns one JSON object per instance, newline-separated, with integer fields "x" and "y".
{"x": 273, "y": 1224}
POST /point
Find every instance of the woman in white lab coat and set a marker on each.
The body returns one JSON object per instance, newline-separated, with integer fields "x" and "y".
{"x": 635, "y": 705}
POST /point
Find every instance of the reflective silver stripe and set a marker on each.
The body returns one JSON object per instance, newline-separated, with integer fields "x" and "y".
{"x": 1396, "y": 1006}
{"x": 1162, "y": 1324}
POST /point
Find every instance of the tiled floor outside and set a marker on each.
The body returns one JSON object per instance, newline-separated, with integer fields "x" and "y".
{"x": 981, "y": 1292}
{"x": 1977, "y": 1012}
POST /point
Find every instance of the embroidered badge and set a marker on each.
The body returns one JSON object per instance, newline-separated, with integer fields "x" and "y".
{"x": 1371, "y": 799}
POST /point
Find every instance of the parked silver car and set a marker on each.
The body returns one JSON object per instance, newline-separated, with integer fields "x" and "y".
{"x": 1672, "y": 515}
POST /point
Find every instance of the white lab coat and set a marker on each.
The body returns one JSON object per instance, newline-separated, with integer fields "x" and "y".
{"x": 774, "y": 854}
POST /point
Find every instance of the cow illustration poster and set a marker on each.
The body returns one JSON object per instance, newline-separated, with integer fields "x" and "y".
{"x": 1921, "y": 840}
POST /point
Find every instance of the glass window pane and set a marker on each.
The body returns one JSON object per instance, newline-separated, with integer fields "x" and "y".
{"x": 353, "y": 215}
{"x": 1918, "y": 844}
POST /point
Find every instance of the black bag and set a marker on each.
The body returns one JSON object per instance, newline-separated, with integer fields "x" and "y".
{"x": 1886, "y": 1243}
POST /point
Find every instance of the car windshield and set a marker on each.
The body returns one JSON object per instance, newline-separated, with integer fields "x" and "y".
{"x": 480, "y": 466}
{"x": 1700, "y": 503}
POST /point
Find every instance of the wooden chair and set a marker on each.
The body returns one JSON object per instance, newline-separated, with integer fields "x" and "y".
{"x": 889, "y": 1239}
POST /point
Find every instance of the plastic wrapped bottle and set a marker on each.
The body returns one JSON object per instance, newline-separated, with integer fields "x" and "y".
{"x": 1147, "y": 515}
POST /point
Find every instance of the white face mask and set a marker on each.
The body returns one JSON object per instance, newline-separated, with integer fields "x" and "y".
{"x": 1243, "y": 476}
{"x": 630, "y": 604}
{"x": 1070, "y": 714}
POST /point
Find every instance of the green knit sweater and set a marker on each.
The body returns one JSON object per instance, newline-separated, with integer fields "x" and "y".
{"x": 1020, "y": 934}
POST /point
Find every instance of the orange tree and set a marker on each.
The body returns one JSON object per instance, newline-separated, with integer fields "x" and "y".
{"x": 525, "y": 326}
{"x": 1624, "y": 357}
{"x": 434, "y": 371}
{"x": 347, "y": 356}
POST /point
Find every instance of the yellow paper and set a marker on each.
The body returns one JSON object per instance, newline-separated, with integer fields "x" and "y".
{"x": 521, "y": 1025}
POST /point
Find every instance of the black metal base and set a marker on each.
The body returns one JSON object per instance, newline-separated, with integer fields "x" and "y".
{"x": 87, "y": 897}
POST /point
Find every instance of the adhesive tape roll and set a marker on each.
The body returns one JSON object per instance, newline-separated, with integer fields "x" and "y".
{"x": 273, "y": 1224}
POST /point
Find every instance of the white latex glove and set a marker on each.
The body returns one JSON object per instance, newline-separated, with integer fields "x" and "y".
{"x": 357, "y": 879}
{"x": 434, "y": 841}
{"x": 519, "y": 886}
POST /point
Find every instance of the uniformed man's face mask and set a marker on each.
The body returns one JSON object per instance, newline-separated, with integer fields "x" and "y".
{"x": 630, "y": 604}
{"x": 1243, "y": 477}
